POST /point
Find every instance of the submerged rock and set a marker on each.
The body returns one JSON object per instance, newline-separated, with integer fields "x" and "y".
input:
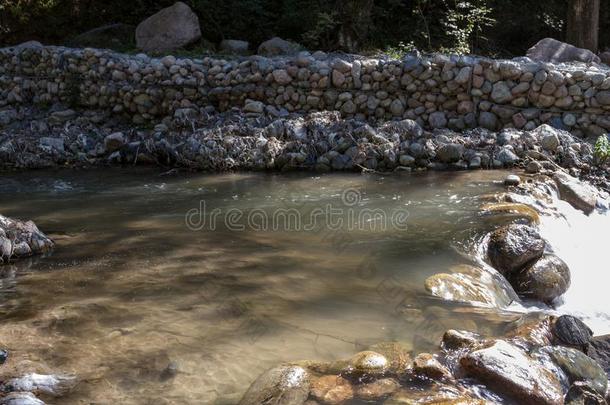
{"x": 428, "y": 366}
{"x": 515, "y": 209}
{"x": 283, "y": 385}
{"x": 377, "y": 389}
{"x": 532, "y": 330}
{"x": 332, "y": 389}
{"x": 397, "y": 355}
{"x": 367, "y": 363}
{"x": 512, "y": 247}
{"x": 438, "y": 394}
{"x": 545, "y": 280}
{"x": 580, "y": 195}
{"x": 511, "y": 371}
{"x": 478, "y": 287}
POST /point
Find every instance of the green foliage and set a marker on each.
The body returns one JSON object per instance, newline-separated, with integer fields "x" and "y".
{"x": 399, "y": 51}
{"x": 601, "y": 151}
{"x": 493, "y": 27}
{"x": 465, "y": 22}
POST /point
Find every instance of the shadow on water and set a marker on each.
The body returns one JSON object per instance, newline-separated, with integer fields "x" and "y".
{"x": 131, "y": 291}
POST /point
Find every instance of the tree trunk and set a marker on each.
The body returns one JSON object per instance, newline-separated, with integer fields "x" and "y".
{"x": 583, "y": 24}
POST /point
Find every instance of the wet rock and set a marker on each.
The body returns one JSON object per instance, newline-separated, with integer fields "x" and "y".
{"x": 436, "y": 394}
{"x": 397, "y": 355}
{"x": 580, "y": 195}
{"x": 367, "y": 363}
{"x": 459, "y": 339}
{"x": 532, "y": 330}
{"x": 477, "y": 289}
{"x": 514, "y": 246}
{"x": 283, "y": 385}
{"x": 331, "y": 390}
{"x": 599, "y": 350}
{"x": 171, "y": 28}
{"x": 21, "y": 233}
{"x": 511, "y": 371}
{"x": 582, "y": 393}
{"x": 427, "y": 366}
{"x": 377, "y": 389}
{"x": 579, "y": 367}
{"x": 571, "y": 331}
{"x": 277, "y": 46}
{"x": 512, "y": 180}
{"x": 52, "y": 385}
{"x": 545, "y": 280}
{"x": 552, "y": 50}
{"x": 513, "y": 210}
{"x": 20, "y": 398}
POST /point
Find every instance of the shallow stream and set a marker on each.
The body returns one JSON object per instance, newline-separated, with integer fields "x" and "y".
{"x": 183, "y": 289}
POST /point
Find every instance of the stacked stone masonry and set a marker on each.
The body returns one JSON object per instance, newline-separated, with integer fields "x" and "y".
{"x": 437, "y": 91}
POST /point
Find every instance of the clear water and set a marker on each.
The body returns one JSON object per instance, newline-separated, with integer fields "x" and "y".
{"x": 131, "y": 289}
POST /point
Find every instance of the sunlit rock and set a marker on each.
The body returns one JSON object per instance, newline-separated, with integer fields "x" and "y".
{"x": 509, "y": 370}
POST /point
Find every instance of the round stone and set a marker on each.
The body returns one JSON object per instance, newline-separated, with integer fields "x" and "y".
{"x": 572, "y": 331}
{"x": 512, "y": 180}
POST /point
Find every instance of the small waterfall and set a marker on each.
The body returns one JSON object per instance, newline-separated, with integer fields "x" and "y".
{"x": 580, "y": 240}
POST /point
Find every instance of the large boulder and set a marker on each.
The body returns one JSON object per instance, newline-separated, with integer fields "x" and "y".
{"x": 552, "y": 50}
{"x": 114, "y": 36}
{"x": 283, "y": 385}
{"x": 580, "y": 195}
{"x": 171, "y": 28}
{"x": 546, "y": 279}
{"x": 510, "y": 370}
{"x": 278, "y": 46}
{"x": 513, "y": 247}
{"x": 605, "y": 57}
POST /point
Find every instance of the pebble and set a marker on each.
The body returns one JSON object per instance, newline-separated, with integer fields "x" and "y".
{"x": 512, "y": 180}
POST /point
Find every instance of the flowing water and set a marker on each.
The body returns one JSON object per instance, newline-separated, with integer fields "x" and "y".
{"x": 183, "y": 289}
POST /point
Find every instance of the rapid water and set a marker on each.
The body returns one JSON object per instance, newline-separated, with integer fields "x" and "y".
{"x": 581, "y": 241}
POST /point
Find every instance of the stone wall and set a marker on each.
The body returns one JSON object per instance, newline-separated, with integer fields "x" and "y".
{"x": 438, "y": 91}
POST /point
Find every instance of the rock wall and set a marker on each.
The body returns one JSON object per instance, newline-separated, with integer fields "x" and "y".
{"x": 439, "y": 91}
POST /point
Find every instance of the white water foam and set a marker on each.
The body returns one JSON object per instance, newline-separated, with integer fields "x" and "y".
{"x": 580, "y": 240}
